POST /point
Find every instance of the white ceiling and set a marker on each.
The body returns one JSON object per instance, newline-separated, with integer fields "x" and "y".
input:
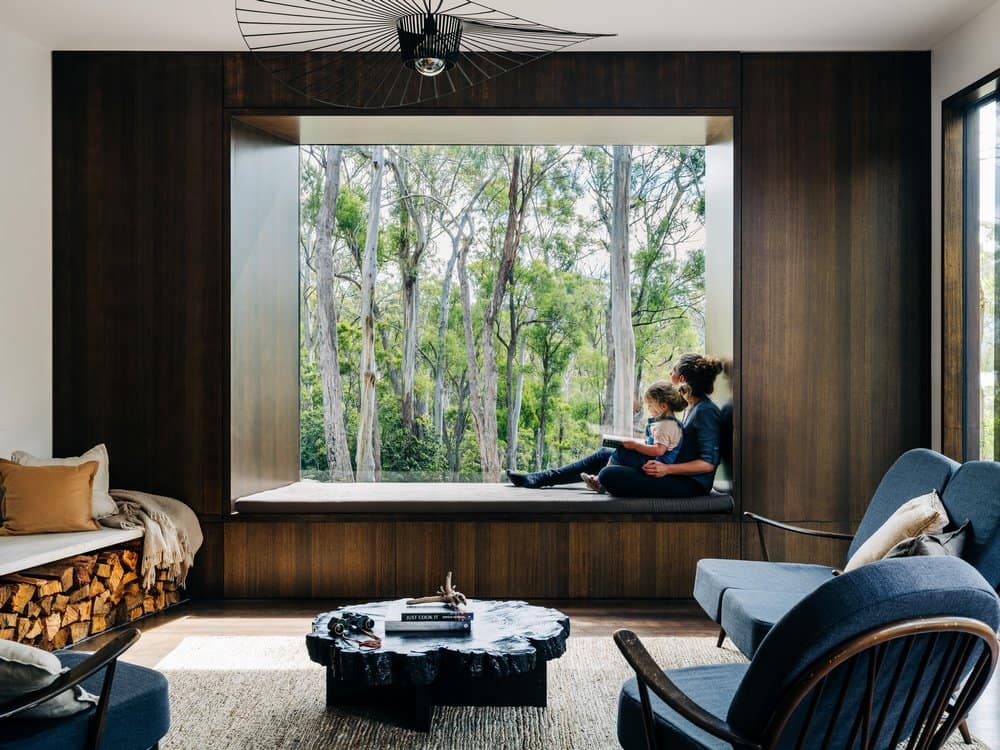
{"x": 744, "y": 25}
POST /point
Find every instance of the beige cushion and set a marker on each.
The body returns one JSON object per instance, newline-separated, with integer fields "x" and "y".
{"x": 101, "y": 503}
{"x": 921, "y": 515}
{"x": 24, "y": 669}
{"x": 44, "y": 499}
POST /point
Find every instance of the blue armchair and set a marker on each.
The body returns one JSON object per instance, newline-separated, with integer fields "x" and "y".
{"x": 133, "y": 712}
{"x": 746, "y": 597}
{"x": 895, "y": 649}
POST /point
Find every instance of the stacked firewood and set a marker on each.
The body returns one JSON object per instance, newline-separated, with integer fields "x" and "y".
{"x": 54, "y": 605}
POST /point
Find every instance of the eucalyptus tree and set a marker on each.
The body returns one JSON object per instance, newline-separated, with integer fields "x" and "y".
{"x": 367, "y": 443}
{"x": 338, "y": 452}
{"x": 620, "y": 328}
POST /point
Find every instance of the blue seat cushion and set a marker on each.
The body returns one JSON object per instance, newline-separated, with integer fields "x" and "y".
{"x": 748, "y": 615}
{"x": 713, "y": 578}
{"x": 712, "y": 687}
{"x": 138, "y": 715}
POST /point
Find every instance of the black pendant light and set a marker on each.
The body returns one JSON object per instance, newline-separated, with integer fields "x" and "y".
{"x": 391, "y": 53}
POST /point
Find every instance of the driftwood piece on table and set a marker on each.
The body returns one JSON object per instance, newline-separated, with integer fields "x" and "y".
{"x": 447, "y": 594}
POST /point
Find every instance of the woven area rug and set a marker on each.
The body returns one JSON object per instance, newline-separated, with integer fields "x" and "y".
{"x": 263, "y": 692}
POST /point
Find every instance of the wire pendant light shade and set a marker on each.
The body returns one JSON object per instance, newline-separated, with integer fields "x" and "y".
{"x": 378, "y": 54}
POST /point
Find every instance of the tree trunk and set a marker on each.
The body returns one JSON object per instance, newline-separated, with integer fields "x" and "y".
{"x": 410, "y": 335}
{"x": 338, "y": 454}
{"x": 609, "y": 378}
{"x": 623, "y": 341}
{"x": 488, "y": 447}
{"x": 442, "y": 335}
{"x": 368, "y": 414}
{"x": 512, "y": 412}
{"x": 476, "y": 405}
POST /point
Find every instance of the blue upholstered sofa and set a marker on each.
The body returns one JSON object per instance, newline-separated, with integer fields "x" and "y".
{"x": 867, "y": 659}
{"x": 747, "y": 597}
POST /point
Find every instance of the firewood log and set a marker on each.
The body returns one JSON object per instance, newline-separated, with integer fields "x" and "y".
{"x": 33, "y": 609}
{"x": 8, "y": 620}
{"x": 130, "y": 559}
{"x": 22, "y": 593}
{"x": 98, "y": 624}
{"x": 42, "y": 586}
{"x": 57, "y": 571}
{"x": 51, "y": 625}
{"x": 79, "y": 631}
{"x": 7, "y": 634}
{"x": 71, "y": 615}
{"x": 61, "y": 639}
{"x": 97, "y": 587}
{"x": 6, "y": 592}
{"x": 78, "y": 595}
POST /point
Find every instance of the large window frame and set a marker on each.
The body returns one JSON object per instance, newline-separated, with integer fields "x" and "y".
{"x": 961, "y": 428}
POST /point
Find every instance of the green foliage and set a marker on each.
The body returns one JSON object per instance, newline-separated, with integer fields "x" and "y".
{"x": 558, "y": 290}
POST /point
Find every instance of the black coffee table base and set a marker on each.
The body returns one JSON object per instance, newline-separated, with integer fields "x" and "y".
{"x": 415, "y": 705}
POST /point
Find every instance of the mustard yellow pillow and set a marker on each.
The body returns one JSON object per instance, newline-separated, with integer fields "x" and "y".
{"x": 41, "y": 499}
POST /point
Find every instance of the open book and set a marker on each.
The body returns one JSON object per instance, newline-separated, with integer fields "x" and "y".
{"x": 614, "y": 441}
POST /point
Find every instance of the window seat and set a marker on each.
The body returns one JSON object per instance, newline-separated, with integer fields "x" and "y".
{"x": 311, "y": 497}
{"x": 19, "y": 553}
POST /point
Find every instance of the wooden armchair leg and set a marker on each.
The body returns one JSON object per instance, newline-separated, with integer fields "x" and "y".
{"x": 722, "y": 637}
{"x": 963, "y": 728}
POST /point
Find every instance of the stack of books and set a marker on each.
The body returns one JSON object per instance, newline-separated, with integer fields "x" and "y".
{"x": 428, "y": 619}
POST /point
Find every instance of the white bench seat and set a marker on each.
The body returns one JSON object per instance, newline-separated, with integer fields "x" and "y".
{"x": 19, "y": 553}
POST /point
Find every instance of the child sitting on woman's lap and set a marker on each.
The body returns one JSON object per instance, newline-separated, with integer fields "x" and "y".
{"x": 664, "y": 432}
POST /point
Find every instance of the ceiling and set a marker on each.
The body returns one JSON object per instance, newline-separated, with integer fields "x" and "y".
{"x": 744, "y": 25}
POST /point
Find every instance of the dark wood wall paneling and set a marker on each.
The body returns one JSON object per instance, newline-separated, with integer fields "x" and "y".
{"x": 137, "y": 258}
{"x": 582, "y": 82}
{"x": 835, "y": 278}
{"x": 834, "y": 306}
{"x": 264, "y": 311}
{"x": 574, "y": 558}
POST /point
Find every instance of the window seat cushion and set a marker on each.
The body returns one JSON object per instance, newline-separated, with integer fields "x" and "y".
{"x": 420, "y": 497}
{"x": 19, "y": 553}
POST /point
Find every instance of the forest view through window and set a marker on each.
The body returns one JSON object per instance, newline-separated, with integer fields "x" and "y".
{"x": 458, "y": 302}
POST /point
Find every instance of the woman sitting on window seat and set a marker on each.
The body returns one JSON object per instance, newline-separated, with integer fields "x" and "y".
{"x": 693, "y": 472}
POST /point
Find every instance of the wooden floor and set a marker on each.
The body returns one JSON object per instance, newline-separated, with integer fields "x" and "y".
{"x": 163, "y": 632}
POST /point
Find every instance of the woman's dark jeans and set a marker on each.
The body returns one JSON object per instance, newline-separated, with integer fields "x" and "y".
{"x": 570, "y": 473}
{"x": 620, "y": 481}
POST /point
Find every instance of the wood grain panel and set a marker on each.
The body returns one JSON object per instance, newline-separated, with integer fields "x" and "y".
{"x": 325, "y": 560}
{"x": 426, "y": 551}
{"x": 264, "y": 311}
{"x": 835, "y": 278}
{"x": 137, "y": 268}
{"x": 783, "y": 547}
{"x": 627, "y": 559}
{"x": 563, "y": 81}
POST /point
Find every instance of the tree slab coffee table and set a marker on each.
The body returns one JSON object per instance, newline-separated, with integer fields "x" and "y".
{"x": 502, "y": 662}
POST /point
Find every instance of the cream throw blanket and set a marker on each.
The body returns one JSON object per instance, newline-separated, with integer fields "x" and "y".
{"x": 173, "y": 533}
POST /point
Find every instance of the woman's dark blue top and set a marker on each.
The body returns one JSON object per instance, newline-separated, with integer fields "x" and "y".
{"x": 702, "y": 432}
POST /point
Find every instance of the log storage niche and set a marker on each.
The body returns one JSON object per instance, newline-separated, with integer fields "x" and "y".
{"x": 60, "y": 603}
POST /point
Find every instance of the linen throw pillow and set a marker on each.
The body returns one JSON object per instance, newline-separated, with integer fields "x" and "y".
{"x": 101, "y": 503}
{"x": 24, "y": 669}
{"x": 921, "y": 515}
{"x": 42, "y": 499}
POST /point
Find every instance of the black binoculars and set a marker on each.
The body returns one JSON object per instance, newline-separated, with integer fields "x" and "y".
{"x": 351, "y": 621}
